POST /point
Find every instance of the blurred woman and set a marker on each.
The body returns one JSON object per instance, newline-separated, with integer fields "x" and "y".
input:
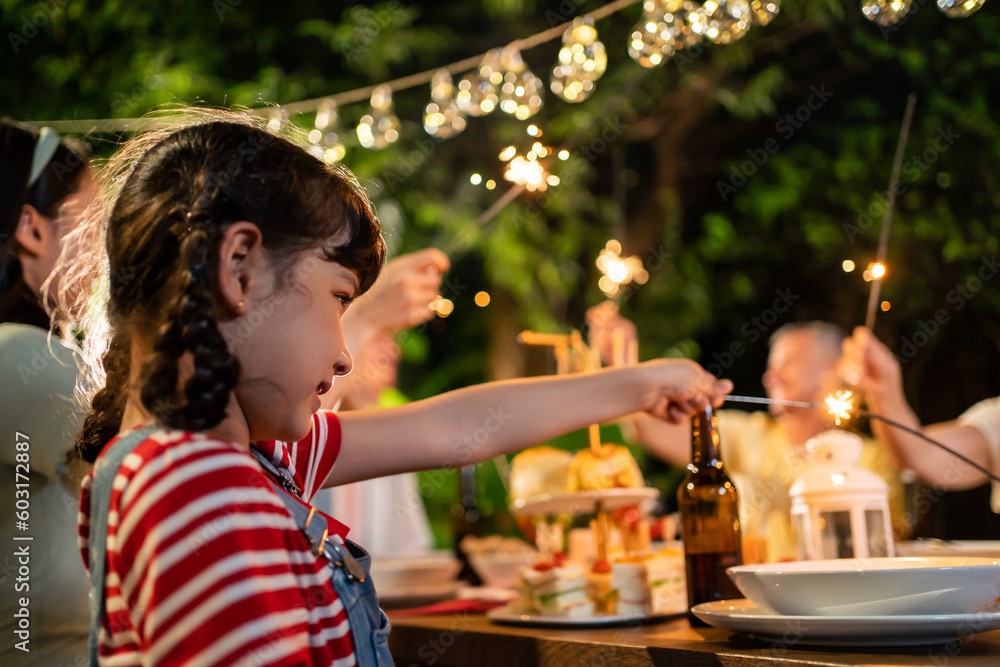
{"x": 45, "y": 185}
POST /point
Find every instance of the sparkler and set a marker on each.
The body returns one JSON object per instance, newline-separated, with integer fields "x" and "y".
{"x": 883, "y": 242}
{"x": 841, "y": 406}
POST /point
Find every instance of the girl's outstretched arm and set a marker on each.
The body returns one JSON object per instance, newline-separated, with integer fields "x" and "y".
{"x": 477, "y": 423}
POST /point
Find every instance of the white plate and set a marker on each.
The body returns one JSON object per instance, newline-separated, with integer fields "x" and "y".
{"x": 872, "y": 586}
{"x": 427, "y": 592}
{"x": 507, "y": 615}
{"x": 745, "y": 617}
{"x": 585, "y": 501}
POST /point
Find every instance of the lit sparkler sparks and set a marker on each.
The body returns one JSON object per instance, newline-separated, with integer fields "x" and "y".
{"x": 840, "y": 406}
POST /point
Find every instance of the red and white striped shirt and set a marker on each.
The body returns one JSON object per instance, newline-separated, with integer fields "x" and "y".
{"x": 206, "y": 566}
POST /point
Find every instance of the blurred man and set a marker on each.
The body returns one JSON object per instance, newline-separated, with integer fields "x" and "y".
{"x": 765, "y": 451}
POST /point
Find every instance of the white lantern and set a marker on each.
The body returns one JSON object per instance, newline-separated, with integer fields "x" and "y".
{"x": 840, "y": 510}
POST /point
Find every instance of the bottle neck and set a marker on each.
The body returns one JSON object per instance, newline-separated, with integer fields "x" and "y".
{"x": 705, "y": 439}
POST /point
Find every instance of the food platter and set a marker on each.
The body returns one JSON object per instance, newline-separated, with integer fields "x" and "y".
{"x": 585, "y": 501}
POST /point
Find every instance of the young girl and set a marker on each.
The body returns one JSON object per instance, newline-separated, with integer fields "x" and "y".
{"x": 232, "y": 256}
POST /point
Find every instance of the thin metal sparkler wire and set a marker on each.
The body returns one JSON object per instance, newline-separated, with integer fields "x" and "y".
{"x": 870, "y": 415}
{"x": 912, "y": 431}
{"x": 772, "y": 401}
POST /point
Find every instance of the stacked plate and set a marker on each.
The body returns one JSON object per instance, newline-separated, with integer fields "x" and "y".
{"x": 862, "y": 602}
{"x": 417, "y": 579}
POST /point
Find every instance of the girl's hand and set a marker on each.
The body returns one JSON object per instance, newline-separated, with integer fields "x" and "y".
{"x": 869, "y": 365}
{"x": 681, "y": 388}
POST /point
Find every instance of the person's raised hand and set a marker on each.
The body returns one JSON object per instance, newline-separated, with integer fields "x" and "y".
{"x": 681, "y": 388}
{"x": 402, "y": 296}
{"x": 869, "y": 365}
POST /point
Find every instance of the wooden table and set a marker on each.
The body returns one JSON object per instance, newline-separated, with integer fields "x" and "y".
{"x": 470, "y": 639}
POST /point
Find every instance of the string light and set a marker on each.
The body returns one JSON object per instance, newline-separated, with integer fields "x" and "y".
{"x": 763, "y": 12}
{"x": 329, "y": 134}
{"x": 521, "y": 91}
{"x": 477, "y": 91}
{"x": 886, "y": 306}
{"x": 582, "y": 61}
{"x": 276, "y": 119}
{"x": 380, "y": 126}
{"x": 848, "y": 266}
{"x": 442, "y": 117}
{"x": 885, "y": 12}
{"x": 482, "y": 299}
{"x": 956, "y": 9}
{"x": 652, "y": 40}
{"x": 686, "y": 23}
{"x": 725, "y": 20}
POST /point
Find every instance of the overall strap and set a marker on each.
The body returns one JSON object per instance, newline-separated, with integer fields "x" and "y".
{"x": 100, "y": 501}
{"x": 311, "y": 522}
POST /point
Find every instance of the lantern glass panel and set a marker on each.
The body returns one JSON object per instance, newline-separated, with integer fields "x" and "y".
{"x": 837, "y": 541}
{"x": 878, "y": 545}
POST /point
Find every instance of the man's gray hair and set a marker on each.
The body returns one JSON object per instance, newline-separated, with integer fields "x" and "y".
{"x": 827, "y": 334}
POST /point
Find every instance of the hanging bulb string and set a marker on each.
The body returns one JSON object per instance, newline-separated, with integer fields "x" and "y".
{"x": 870, "y": 415}
{"x": 349, "y": 96}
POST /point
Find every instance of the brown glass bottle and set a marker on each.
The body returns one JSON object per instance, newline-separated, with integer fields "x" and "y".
{"x": 710, "y": 522}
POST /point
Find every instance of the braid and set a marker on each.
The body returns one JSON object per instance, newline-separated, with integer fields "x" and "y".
{"x": 192, "y": 329}
{"x": 108, "y": 404}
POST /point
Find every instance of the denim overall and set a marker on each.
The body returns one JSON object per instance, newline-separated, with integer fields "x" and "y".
{"x": 351, "y": 564}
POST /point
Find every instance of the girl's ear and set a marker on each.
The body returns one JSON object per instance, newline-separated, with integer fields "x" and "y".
{"x": 241, "y": 261}
{"x": 34, "y": 231}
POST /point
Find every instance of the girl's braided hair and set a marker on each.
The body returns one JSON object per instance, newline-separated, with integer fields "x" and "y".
{"x": 166, "y": 214}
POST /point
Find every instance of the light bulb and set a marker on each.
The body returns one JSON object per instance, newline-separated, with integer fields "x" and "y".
{"x": 685, "y": 22}
{"x": 956, "y": 9}
{"x": 380, "y": 126}
{"x": 582, "y": 61}
{"x": 276, "y": 119}
{"x": 442, "y": 117}
{"x": 725, "y": 20}
{"x": 327, "y": 132}
{"x": 477, "y": 91}
{"x": 763, "y": 11}
{"x": 651, "y": 41}
{"x": 521, "y": 91}
{"x": 885, "y": 12}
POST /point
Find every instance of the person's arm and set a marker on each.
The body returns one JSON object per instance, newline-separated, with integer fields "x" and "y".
{"x": 870, "y": 365}
{"x": 667, "y": 441}
{"x": 399, "y": 300}
{"x": 477, "y": 423}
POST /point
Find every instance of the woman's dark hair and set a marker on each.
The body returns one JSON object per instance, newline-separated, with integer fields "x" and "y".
{"x": 59, "y": 179}
{"x": 163, "y": 230}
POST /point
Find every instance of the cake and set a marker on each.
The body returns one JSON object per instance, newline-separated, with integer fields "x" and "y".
{"x": 538, "y": 472}
{"x": 650, "y": 584}
{"x": 610, "y": 467}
